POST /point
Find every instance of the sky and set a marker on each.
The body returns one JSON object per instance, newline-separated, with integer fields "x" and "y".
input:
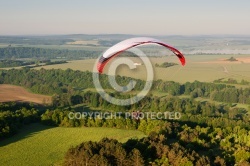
{"x": 151, "y": 17}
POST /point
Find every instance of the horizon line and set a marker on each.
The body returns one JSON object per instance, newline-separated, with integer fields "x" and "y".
{"x": 122, "y": 34}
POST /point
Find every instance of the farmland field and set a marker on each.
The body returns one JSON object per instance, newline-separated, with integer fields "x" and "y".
{"x": 84, "y": 42}
{"x": 41, "y": 145}
{"x": 19, "y": 94}
{"x": 205, "y": 68}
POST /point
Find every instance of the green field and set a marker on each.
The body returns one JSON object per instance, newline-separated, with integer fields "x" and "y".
{"x": 41, "y": 145}
{"x": 206, "y": 68}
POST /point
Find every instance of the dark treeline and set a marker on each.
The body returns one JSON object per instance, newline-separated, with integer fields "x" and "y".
{"x": 44, "y": 53}
{"x": 14, "y": 116}
{"x": 202, "y": 113}
{"x": 35, "y": 40}
{"x": 28, "y": 64}
{"x": 14, "y": 63}
{"x": 68, "y": 82}
{"x": 55, "y": 62}
{"x": 165, "y": 64}
{"x": 232, "y": 81}
{"x": 148, "y": 151}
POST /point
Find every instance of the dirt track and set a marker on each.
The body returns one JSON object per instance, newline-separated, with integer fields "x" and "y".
{"x": 19, "y": 94}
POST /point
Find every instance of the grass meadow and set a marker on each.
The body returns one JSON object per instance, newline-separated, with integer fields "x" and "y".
{"x": 42, "y": 145}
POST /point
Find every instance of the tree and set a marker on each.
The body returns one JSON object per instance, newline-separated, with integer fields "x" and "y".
{"x": 135, "y": 158}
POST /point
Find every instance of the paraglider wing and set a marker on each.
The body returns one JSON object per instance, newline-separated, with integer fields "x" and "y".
{"x": 133, "y": 42}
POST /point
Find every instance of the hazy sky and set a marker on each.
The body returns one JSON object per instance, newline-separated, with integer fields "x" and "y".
{"x": 155, "y": 17}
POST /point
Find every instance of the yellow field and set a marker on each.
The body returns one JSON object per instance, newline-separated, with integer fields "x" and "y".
{"x": 198, "y": 67}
